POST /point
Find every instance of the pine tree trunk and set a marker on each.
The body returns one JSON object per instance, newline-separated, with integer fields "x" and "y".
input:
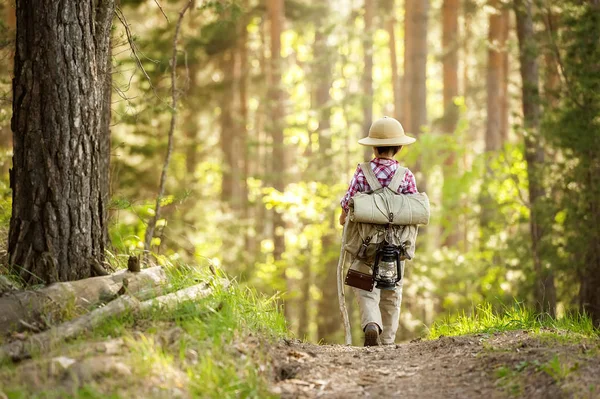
{"x": 504, "y": 96}
{"x": 328, "y": 318}
{"x": 545, "y": 294}
{"x": 497, "y": 110}
{"x": 496, "y": 79}
{"x": 367, "y": 76}
{"x": 278, "y": 159}
{"x": 59, "y": 176}
{"x": 396, "y": 84}
{"x": 228, "y": 132}
{"x": 415, "y": 72}
{"x": 450, "y": 45}
{"x": 242, "y": 123}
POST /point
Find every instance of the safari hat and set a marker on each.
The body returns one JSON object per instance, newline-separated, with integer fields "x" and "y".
{"x": 386, "y": 132}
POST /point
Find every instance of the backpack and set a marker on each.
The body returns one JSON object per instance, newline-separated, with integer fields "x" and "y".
{"x": 384, "y": 214}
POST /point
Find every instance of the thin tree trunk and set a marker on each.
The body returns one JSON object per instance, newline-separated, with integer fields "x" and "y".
{"x": 174, "y": 97}
{"x": 228, "y": 135}
{"x": 415, "y": 64}
{"x": 504, "y": 96}
{"x": 497, "y": 112}
{"x": 243, "y": 128}
{"x": 496, "y": 78}
{"x": 328, "y": 320}
{"x": 367, "y": 76}
{"x": 278, "y": 159}
{"x": 396, "y": 84}
{"x": 450, "y": 45}
{"x": 58, "y": 223}
{"x": 545, "y": 294}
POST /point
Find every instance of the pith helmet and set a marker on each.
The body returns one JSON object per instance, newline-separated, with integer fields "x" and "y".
{"x": 386, "y": 132}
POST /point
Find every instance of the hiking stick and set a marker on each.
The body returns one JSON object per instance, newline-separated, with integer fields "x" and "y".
{"x": 340, "y": 286}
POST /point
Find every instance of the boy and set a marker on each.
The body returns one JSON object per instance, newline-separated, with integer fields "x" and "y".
{"x": 380, "y": 309}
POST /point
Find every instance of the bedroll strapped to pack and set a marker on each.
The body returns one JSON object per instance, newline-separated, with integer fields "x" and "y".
{"x": 383, "y": 215}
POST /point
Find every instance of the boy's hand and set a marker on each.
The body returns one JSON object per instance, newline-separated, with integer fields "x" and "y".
{"x": 343, "y": 218}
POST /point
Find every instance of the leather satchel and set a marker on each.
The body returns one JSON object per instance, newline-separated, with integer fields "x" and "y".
{"x": 360, "y": 280}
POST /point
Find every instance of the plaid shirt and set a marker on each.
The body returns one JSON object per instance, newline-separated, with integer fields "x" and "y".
{"x": 384, "y": 169}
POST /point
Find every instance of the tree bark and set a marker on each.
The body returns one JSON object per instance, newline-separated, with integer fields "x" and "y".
{"x": 450, "y": 44}
{"x": 229, "y": 134}
{"x": 545, "y": 293}
{"x": 396, "y": 84}
{"x": 328, "y": 321}
{"x": 367, "y": 76}
{"x": 279, "y": 156}
{"x": 496, "y": 78}
{"x": 59, "y": 176}
{"x": 60, "y": 300}
{"x": 46, "y": 340}
{"x": 415, "y": 70}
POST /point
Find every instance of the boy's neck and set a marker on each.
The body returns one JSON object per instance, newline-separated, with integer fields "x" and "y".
{"x": 384, "y": 157}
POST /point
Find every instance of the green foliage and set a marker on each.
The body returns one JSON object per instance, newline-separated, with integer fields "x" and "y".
{"x": 483, "y": 319}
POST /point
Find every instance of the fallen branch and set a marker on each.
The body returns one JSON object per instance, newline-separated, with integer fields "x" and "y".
{"x": 46, "y": 340}
{"x": 58, "y": 301}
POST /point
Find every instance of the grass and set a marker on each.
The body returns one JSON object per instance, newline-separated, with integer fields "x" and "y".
{"x": 483, "y": 319}
{"x": 513, "y": 378}
{"x": 216, "y": 347}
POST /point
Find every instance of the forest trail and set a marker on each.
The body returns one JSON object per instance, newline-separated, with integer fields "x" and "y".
{"x": 515, "y": 364}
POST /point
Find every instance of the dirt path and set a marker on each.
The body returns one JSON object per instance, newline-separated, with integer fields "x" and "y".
{"x": 515, "y": 364}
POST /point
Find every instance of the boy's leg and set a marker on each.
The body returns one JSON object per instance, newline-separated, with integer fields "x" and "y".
{"x": 368, "y": 302}
{"x": 390, "y": 312}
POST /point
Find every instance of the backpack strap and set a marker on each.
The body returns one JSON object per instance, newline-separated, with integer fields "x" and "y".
{"x": 397, "y": 179}
{"x": 370, "y": 176}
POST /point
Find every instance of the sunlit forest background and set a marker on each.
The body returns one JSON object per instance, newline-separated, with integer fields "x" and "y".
{"x": 272, "y": 98}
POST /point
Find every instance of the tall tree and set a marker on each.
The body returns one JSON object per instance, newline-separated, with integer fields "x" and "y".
{"x": 573, "y": 127}
{"x": 230, "y": 192}
{"x": 450, "y": 45}
{"x": 278, "y": 159}
{"x": 59, "y": 174}
{"x": 328, "y": 319}
{"x": 496, "y": 78}
{"x": 416, "y": 19}
{"x": 367, "y": 76}
{"x": 545, "y": 292}
{"x": 390, "y": 25}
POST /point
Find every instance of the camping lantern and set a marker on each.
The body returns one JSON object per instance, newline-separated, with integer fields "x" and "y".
{"x": 387, "y": 269}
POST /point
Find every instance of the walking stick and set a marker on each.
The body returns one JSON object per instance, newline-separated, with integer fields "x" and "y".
{"x": 340, "y": 286}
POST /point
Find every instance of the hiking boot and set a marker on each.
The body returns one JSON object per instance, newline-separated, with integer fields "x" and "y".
{"x": 371, "y": 335}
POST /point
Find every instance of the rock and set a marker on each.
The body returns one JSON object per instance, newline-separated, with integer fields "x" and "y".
{"x": 191, "y": 356}
{"x": 93, "y": 367}
{"x": 63, "y": 362}
{"x": 112, "y": 347}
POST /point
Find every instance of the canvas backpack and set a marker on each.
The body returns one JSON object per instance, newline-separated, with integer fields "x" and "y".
{"x": 382, "y": 214}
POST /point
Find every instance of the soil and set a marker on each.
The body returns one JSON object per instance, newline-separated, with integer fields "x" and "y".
{"x": 514, "y": 364}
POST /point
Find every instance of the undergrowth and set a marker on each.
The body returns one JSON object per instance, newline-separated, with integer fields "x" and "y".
{"x": 212, "y": 348}
{"x": 483, "y": 319}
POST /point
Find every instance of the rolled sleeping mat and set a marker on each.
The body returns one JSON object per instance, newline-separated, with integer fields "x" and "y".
{"x": 387, "y": 207}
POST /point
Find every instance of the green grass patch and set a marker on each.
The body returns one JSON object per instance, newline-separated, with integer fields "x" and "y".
{"x": 216, "y": 347}
{"x": 483, "y": 319}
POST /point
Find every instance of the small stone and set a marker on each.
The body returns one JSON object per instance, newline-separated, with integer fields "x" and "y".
{"x": 64, "y": 362}
{"x": 191, "y": 356}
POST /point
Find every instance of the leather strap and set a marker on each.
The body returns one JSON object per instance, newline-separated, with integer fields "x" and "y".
{"x": 370, "y": 176}
{"x": 397, "y": 179}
